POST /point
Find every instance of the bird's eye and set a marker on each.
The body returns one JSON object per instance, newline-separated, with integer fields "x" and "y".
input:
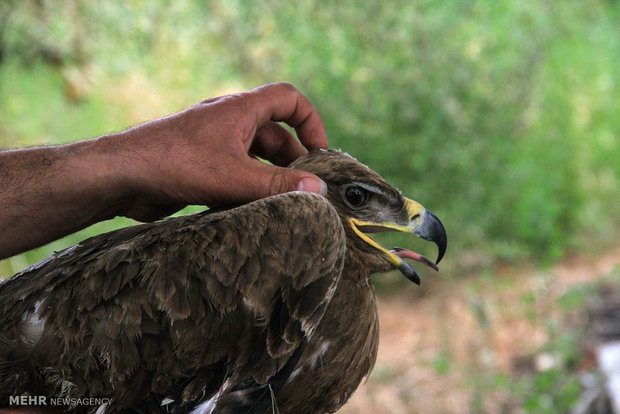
{"x": 355, "y": 196}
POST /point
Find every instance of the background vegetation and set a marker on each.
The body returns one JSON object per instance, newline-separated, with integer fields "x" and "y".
{"x": 501, "y": 117}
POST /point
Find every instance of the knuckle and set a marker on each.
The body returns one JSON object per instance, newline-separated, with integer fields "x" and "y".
{"x": 286, "y": 87}
{"x": 239, "y": 99}
{"x": 278, "y": 183}
{"x": 239, "y": 103}
{"x": 279, "y": 87}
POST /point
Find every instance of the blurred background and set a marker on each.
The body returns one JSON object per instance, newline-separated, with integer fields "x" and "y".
{"x": 501, "y": 117}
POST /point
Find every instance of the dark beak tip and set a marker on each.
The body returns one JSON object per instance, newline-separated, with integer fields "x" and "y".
{"x": 434, "y": 231}
{"x": 410, "y": 273}
{"x": 415, "y": 278}
{"x": 441, "y": 252}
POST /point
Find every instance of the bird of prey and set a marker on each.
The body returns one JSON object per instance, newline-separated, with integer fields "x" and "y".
{"x": 264, "y": 307}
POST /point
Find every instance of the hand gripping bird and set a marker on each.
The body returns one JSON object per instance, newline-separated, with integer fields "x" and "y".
{"x": 264, "y": 307}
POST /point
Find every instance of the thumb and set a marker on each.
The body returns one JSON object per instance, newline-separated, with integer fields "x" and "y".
{"x": 271, "y": 180}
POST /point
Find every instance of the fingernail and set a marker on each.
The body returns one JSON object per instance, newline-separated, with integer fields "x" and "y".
{"x": 312, "y": 185}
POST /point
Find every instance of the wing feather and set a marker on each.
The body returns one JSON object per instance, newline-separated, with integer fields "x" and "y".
{"x": 176, "y": 307}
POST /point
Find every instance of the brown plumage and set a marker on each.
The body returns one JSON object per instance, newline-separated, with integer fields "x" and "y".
{"x": 264, "y": 307}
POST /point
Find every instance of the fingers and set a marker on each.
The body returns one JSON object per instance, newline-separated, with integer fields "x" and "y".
{"x": 274, "y": 143}
{"x": 281, "y": 102}
{"x": 263, "y": 180}
{"x": 202, "y": 155}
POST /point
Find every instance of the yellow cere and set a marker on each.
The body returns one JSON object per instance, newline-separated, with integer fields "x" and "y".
{"x": 413, "y": 208}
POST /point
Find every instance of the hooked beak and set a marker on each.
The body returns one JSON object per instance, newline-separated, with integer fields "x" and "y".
{"x": 421, "y": 223}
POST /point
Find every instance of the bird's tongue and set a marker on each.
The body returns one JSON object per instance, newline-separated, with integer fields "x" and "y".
{"x": 408, "y": 254}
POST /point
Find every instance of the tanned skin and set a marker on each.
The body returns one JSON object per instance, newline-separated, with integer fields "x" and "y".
{"x": 202, "y": 155}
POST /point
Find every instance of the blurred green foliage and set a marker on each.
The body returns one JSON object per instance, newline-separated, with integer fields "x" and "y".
{"x": 501, "y": 117}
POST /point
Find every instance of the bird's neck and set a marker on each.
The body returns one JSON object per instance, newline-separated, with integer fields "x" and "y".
{"x": 355, "y": 269}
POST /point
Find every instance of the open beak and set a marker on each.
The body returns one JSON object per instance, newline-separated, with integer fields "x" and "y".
{"x": 421, "y": 223}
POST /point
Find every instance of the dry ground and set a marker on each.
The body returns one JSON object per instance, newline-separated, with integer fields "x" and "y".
{"x": 440, "y": 351}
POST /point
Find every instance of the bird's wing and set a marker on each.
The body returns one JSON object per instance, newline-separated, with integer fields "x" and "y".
{"x": 175, "y": 308}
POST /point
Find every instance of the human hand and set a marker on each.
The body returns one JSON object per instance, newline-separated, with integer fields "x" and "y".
{"x": 206, "y": 153}
{"x": 202, "y": 155}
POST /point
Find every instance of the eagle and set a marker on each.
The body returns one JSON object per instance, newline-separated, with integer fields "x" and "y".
{"x": 258, "y": 308}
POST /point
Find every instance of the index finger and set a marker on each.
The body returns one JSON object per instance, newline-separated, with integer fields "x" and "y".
{"x": 282, "y": 102}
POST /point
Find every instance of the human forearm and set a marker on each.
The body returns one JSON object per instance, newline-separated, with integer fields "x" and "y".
{"x": 49, "y": 192}
{"x": 206, "y": 154}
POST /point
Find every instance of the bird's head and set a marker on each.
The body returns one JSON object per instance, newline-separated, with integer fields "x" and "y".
{"x": 369, "y": 204}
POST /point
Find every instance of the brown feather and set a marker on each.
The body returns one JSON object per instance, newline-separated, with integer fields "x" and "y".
{"x": 152, "y": 318}
{"x": 269, "y": 297}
